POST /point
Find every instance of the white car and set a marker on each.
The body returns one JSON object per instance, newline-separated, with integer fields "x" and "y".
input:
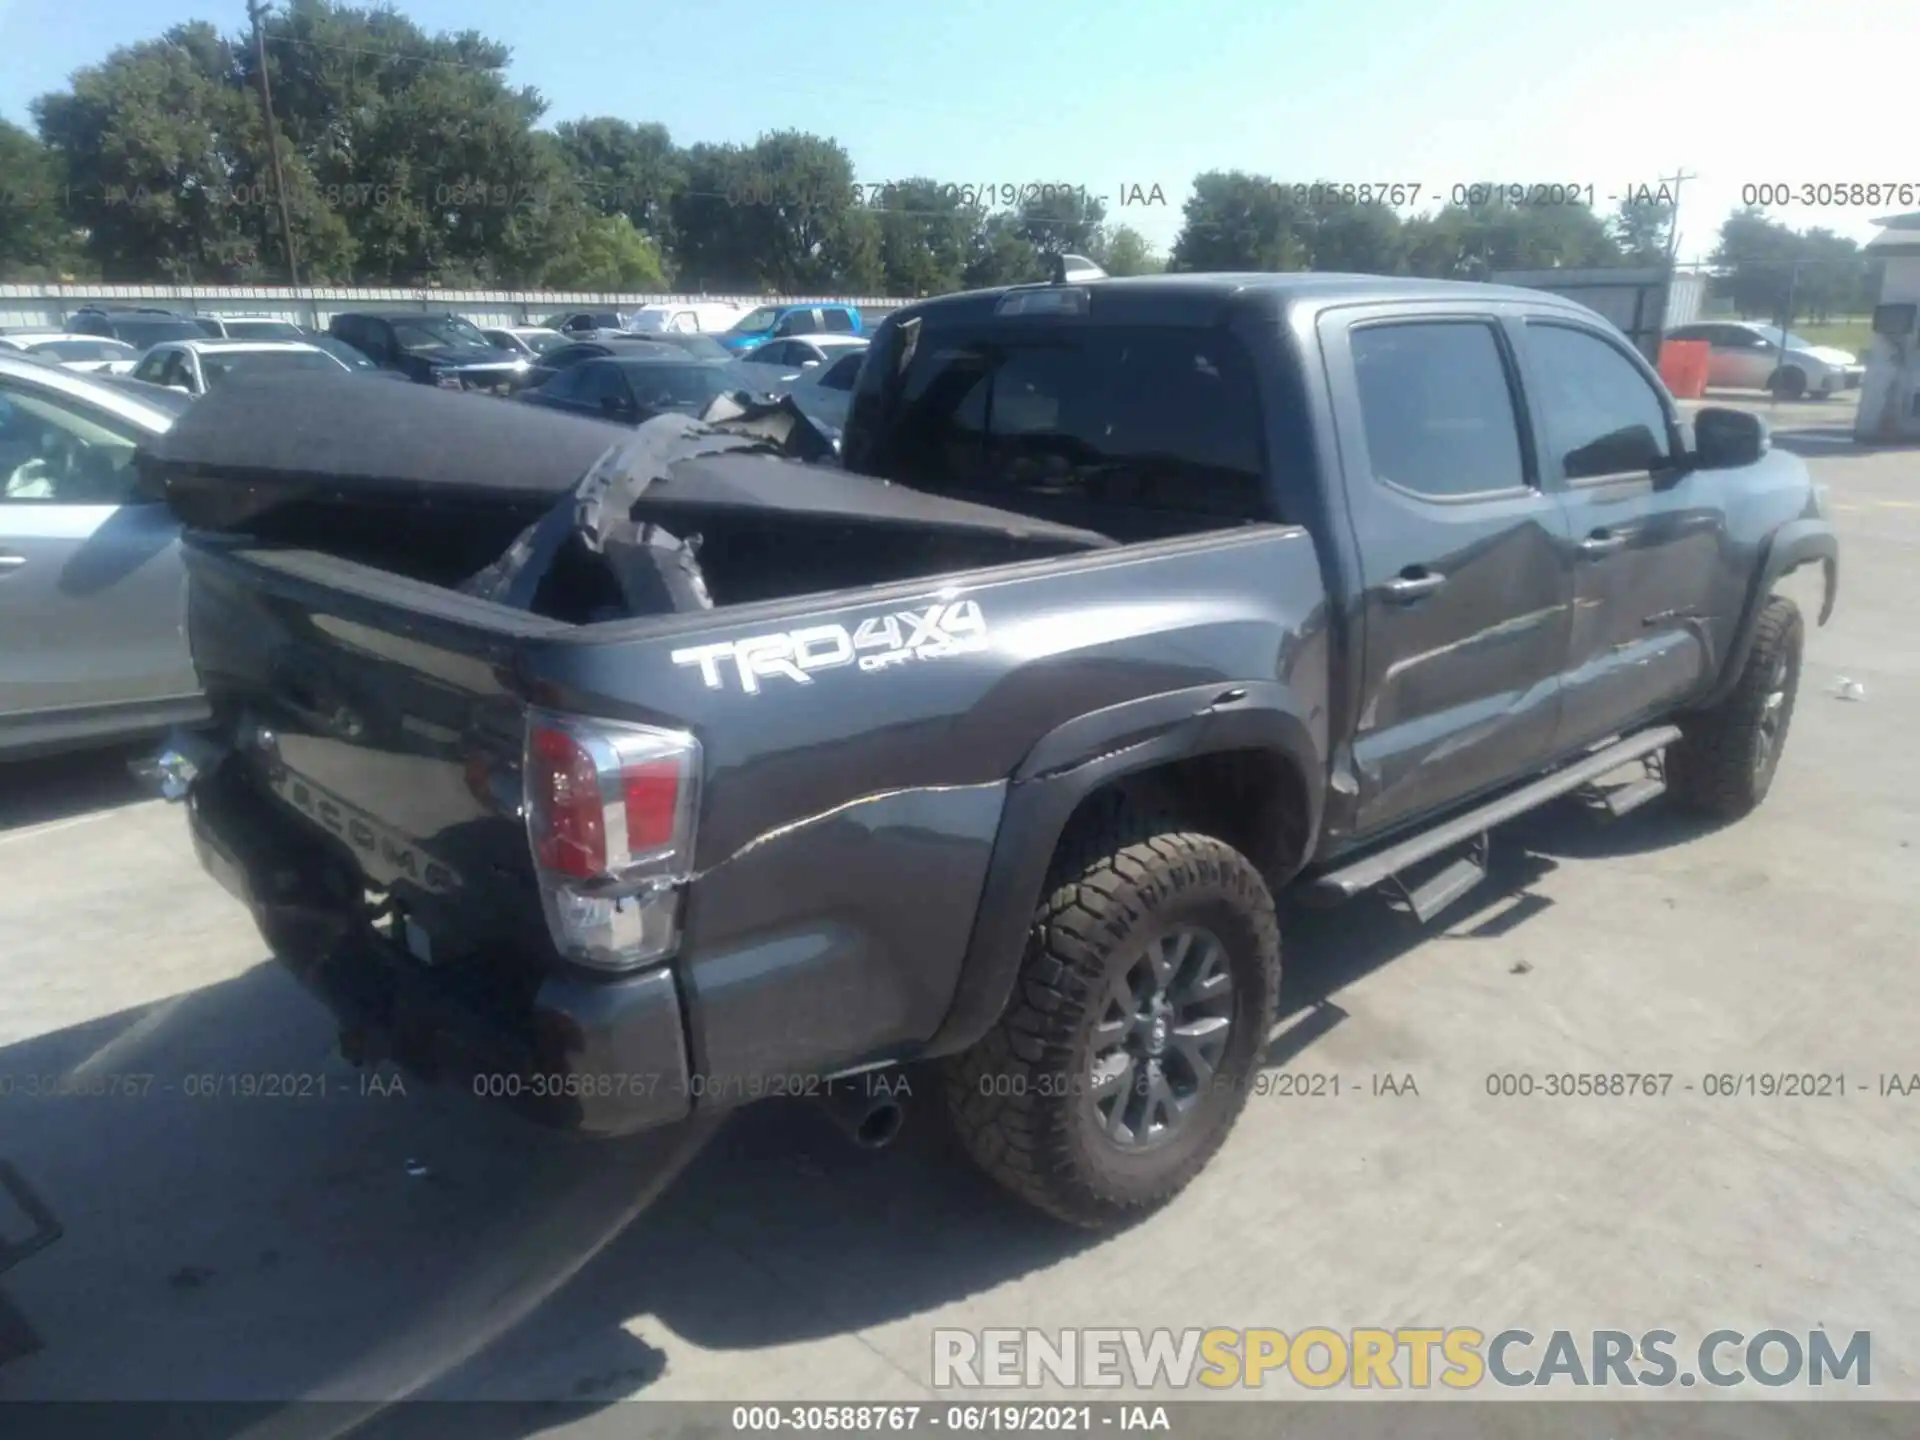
{"x": 824, "y": 393}
{"x": 690, "y": 317}
{"x": 249, "y": 327}
{"x": 86, "y": 353}
{"x": 785, "y": 361}
{"x": 1744, "y": 355}
{"x": 529, "y": 342}
{"x": 196, "y": 366}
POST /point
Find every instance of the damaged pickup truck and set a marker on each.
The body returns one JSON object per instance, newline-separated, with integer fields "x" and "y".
{"x": 717, "y": 774}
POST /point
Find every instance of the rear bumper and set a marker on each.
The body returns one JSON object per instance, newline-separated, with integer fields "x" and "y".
{"x": 577, "y": 1053}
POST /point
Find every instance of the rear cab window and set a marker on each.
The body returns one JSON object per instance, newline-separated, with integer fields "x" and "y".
{"x": 1061, "y": 418}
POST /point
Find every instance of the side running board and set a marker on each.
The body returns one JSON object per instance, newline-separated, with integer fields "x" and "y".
{"x": 1460, "y": 877}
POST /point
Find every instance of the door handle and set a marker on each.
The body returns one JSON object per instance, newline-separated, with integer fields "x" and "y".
{"x": 1404, "y": 588}
{"x": 12, "y": 562}
{"x": 1601, "y": 542}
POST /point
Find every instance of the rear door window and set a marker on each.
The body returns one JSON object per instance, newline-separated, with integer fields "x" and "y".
{"x": 1152, "y": 417}
{"x": 838, "y": 320}
{"x": 1438, "y": 408}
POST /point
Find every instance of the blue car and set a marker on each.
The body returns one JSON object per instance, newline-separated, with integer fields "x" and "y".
{"x": 774, "y": 322}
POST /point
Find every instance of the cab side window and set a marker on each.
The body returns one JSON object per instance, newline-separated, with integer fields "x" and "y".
{"x": 1438, "y": 408}
{"x": 1602, "y": 416}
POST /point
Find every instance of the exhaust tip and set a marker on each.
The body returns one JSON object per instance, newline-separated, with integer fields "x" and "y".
{"x": 880, "y": 1127}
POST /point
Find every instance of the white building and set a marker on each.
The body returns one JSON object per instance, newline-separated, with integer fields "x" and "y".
{"x": 1890, "y": 391}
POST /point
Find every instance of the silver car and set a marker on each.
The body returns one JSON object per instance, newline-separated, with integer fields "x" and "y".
{"x": 1744, "y": 355}
{"x": 817, "y": 371}
{"x": 196, "y": 366}
{"x": 92, "y": 353}
{"x": 93, "y": 642}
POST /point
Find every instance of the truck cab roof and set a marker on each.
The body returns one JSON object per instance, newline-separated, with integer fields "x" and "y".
{"x": 1201, "y": 298}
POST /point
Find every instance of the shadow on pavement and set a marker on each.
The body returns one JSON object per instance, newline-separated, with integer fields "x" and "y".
{"x": 357, "y": 1239}
{"x": 61, "y": 787}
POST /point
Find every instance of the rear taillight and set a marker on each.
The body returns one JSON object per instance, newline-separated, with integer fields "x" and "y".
{"x": 611, "y": 810}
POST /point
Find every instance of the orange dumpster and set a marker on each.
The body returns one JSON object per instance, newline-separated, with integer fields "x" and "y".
{"x": 1683, "y": 365}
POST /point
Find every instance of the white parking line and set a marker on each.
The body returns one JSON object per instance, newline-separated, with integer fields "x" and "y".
{"x": 49, "y": 826}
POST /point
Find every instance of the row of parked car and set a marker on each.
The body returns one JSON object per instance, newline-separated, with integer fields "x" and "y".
{"x": 90, "y": 580}
{"x": 786, "y": 347}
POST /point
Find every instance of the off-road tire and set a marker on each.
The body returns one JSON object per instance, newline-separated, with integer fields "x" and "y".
{"x": 1020, "y": 1098}
{"x": 1717, "y": 766}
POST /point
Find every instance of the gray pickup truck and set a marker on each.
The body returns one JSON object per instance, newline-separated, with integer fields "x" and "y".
{"x": 717, "y": 775}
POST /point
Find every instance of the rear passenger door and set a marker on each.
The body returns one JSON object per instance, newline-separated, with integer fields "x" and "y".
{"x": 1465, "y": 596}
{"x": 1646, "y": 539}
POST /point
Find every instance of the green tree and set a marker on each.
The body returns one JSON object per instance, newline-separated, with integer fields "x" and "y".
{"x": 144, "y": 148}
{"x": 1349, "y": 236}
{"x": 1065, "y": 222}
{"x": 780, "y": 215}
{"x": 419, "y": 147}
{"x": 626, "y": 169}
{"x": 1129, "y": 254}
{"x": 608, "y": 254}
{"x": 1462, "y": 242}
{"x": 1002, "y": 254}
{"x": 1754, "y": 260}
{"x": 1237, "y": 221}
{"x": 927, "y": 237}
{"x": 37, "y": 243}
{"x": 1643, "y": 228}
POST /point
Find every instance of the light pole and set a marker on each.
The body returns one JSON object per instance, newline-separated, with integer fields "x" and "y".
{"x": 255, "y": 12}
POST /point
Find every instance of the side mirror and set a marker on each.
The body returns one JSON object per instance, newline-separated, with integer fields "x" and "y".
{"x": 176, "y": 385}
{"x": 809, "y": 364}
{"x": 1725, "y": 439}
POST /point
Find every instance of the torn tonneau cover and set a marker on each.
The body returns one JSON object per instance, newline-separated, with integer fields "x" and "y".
{"x": 255, "y": 444}
{"x": 642, "y": 504}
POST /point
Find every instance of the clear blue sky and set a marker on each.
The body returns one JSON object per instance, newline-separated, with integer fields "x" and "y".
{"x": 1150, "y": 92}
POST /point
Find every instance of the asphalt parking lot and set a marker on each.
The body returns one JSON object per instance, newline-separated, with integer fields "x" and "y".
{"x": 365, "y": 1245}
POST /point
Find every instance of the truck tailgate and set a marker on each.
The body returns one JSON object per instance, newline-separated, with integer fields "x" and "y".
{"x": 391, "y": 729}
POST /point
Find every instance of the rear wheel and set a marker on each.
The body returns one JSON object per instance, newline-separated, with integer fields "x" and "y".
{"x": 1141, "y": 1012}
{"x": 1724, "y": 763}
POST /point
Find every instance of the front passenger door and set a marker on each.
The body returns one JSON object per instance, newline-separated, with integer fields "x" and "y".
{"x": 1465, "y": 594}
{"x": 1646, "y": 540}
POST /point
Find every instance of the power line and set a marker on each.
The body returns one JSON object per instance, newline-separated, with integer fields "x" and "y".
{"x": 398, "y": 57}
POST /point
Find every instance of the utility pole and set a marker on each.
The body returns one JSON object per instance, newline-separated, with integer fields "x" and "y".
{"x": 255, "y": 12}
{"x": 1677, "y": 179}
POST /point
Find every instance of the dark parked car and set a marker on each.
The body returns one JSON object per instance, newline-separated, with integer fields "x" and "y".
{"x": 430, "y": 349}
{"x": 1136, "y": 601}
{"x": 560, "y": 357}
{"x": 141, "y": 326}
{"x": 353, "y": 359}
{"x": 700, "y": 347}
{"x": 629, "y": 389}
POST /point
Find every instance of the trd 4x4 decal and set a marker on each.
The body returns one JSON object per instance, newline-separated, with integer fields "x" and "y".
{"x": 876, "y": 643}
